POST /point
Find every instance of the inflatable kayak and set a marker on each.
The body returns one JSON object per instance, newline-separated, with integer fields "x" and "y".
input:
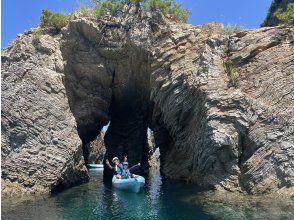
{"x": 131, "y": 184}
{"x": 95, "y": 166}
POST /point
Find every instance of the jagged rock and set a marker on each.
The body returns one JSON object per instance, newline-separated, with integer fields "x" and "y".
{"x": 220, "y": 107}
{"x": 41, "y": 150}
{"x": 97, "y": 149}
{"x": 153, "y": 153}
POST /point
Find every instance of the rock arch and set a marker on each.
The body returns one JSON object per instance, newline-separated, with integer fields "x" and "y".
{"x": 135, "y": 80}
{"x": 153, "y": 75}
{"x": 142, "y": 70}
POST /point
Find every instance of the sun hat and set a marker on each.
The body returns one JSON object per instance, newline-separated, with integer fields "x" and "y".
{"x": 115, "y": 158}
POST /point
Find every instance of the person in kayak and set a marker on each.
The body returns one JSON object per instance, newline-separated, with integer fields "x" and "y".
{"x": 136, "y": 169}
{"x": 118, "y": 169}
{"x": 126, "y": 172}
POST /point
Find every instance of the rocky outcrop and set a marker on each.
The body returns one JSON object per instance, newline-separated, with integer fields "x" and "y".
{"x": 119, "y": 92}
{"x": 223, "y": 205}
{"x": 41, "y": 150}
{"x": 220, "y": 107}
{"x": 233, "y": 124}
{"x": 153, "y": 153}
{"x": 97, "y": 149}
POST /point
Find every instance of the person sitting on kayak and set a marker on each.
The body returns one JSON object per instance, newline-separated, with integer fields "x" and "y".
{"x": 137, "y": 169}
{"x": 126, "y": 172}
{"x": 118, "y": 169}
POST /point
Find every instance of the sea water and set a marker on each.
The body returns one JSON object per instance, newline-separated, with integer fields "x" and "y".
{"x": 158, "y": 200}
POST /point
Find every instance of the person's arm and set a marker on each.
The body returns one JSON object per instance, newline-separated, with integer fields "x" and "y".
{"x": 108, "y": 164}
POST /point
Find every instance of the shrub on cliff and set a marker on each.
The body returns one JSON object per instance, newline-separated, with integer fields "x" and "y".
{"x": 165, "y": 6}
{"x": 287, "y": 16}
{"x": 232, "y": 29}
{"x": 112, "y": 6}
{"x": 168, "y": 7}
{"x": 52, "y": 20}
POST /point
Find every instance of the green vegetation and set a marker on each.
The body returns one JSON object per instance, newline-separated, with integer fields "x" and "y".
{"x": 232, "y": 29}
{"x": 38, "y": 32}
{"x": 230, "y": 70}
{"x": 167, "y": 7}
{"x": 53, "y": 20}
{"x": 271, "y": 19}
{"x": 112, "y": 6}
{"x": 50, "y": 22}
{"x": 287, "y": 16}
{"x": 84, "y": 10}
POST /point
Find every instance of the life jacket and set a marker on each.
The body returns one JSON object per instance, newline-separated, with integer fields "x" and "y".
{"x": 118, "y": 167}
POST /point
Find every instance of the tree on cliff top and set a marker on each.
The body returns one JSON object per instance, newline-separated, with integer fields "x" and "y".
{"x": 287, "y": 16}
{"x": 271, "y": 19}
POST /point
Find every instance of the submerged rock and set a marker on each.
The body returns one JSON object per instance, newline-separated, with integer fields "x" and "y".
{"x": 220, "y": 107}
{"x": 223, "y": 205}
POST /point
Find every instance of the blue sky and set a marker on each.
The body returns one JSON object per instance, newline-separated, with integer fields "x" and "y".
{"x": 20, "y": 15}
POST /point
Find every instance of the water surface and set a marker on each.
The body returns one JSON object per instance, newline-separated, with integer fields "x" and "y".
{"x": 158, "y": 200}
{"x": 94, "y": 200}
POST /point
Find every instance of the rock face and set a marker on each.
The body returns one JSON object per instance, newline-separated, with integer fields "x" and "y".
{"x": 154, "y": 156}
{"x": 97, "y": 149}
{"x": 41, "y": 150}
{"x": 107, "y": 77}
{"x": 220, "y": 107}
{"x": 232, "y": 129}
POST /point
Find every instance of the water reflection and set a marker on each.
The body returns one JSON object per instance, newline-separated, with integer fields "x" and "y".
{"x": 127, "y": 205}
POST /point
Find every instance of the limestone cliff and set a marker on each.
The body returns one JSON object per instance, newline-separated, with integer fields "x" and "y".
{"x": 220, "y": 107}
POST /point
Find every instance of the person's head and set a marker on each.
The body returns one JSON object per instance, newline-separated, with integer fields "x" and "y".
{"x": 126, "y": 165}
{"x": 115, "y": 160}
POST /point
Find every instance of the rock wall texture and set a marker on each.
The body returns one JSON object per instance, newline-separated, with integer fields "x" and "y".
{"x": 237, "y": 123}
{"x": 41, "y": 150}
{"x": 97, "y": 149}
{"x": 220, "y": 107}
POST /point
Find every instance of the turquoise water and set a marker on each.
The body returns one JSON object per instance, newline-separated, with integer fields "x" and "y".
{"x": 94, "y": 200}
{"x": 158, "y": 200}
